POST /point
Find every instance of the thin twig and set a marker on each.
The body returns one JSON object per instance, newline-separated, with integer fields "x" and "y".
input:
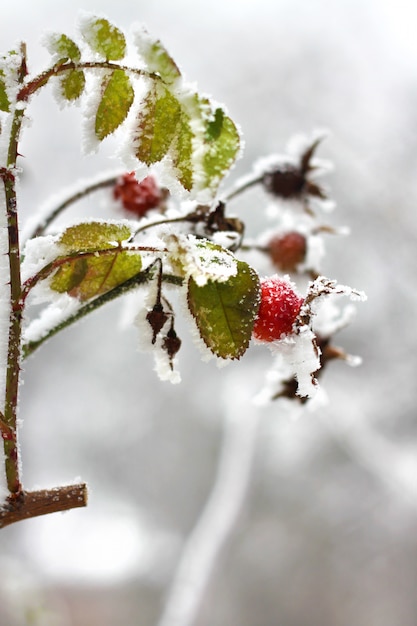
{"x": 48, "y": 219}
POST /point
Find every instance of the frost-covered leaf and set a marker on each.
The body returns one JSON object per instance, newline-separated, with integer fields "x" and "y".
{"x": 4, "y": 100}
{"x": 157, "y": 58}
{"x": 62, "y": 47}
{"x": 182, "y": 152}
{"x": 222, "y": 143}
{"x": 90, "y": 276}
{"x": 214, "y": 126}
{"x": 117, "y": 98}
{"x": 225, "y": 311}
{"x": 94, "y": 236}
{"x": 201, "y": 259}
{"x": 157, "y": 124}
{"x": 101, "y": 265}
{"x": 104, "y": 38}
{"x": 72, "y": 85}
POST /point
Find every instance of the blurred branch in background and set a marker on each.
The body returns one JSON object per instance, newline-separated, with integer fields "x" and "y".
{"x": 202, "y": 549}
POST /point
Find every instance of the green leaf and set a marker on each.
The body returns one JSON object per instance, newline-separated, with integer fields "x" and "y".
{"x": 117, "y": 98}
{"x": 104, "y": 38}
{"x": 157, "y": 124}
{"x": 88, "y": 277}
{"x": 222, "y": 142}
{"x": 4, "y": 99}
{"x": 225, "y": 311}
{"x": 94, "y": 236}
{"x": 182, "y": 153}
{"x": 72, "y": 85}
{"x": 157, "y": 58}
{"x": 214, "y": 126}
{"x": 63, "y": 47}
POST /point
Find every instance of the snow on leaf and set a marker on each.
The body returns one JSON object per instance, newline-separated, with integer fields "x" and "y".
{"x": 222, "y": 144}
{"x": 62, "y": 47}
{"x": 156, "y": 57}
{"x": 117, "y": 98}
{"x": 157, "y": 124}
{"x": 225, "y": 311}
{"x": 94, "y": 236}
{"x": 182, "y": 152}
{"x": 104, "y": 38}
{"x": 90, "y": 276}
{"x": 72, "y": 85}
{"x": 201, "y": 259}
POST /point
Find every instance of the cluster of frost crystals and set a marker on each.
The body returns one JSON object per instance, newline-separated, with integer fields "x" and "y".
{"x": 200, "y": 259}
{"x": 295, "y": 356}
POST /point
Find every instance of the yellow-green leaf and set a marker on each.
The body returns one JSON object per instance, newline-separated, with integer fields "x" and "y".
{"x": 157, "y": 58}
{"x": 157, "y": 124}
{"x": 90, "y": 276}
{"x": 72, "y": 84}
{"x": 94, "y": 236}
{"x": 63, "y": 47}
{"x": 104, "y": 38}
{"x": 182, "y": 152}
{"x": 222, "y": 143}
{"x": 117, "y": 98}
{"x": 225, "y": 311}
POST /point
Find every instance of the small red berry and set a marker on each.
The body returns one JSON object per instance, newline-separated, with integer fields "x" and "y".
{"x": 138, "y": 197}
{"x": 287, "y": 250}
{"x": 278, "y": 311}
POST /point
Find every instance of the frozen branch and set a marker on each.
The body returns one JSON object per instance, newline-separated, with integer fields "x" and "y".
{"x": 34, "y": 503}
{"x": 217, "y": 520}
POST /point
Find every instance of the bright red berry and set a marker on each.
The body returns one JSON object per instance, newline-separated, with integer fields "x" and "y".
{"x": 287, "y": 250}
{"x": 138, "y": 197}
{"x": 278, "y": 311}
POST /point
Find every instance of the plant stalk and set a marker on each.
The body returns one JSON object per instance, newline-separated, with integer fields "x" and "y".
{"x": 15, "y": 324}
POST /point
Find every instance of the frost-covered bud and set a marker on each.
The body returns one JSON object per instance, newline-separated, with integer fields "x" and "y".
{"x": 139, "y": 197}
{"x": 279, "y": 308}
{"x": 285, "y": 181}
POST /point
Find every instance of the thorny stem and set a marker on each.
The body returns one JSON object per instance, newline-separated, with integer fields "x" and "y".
{"x": 15, "y": 324}
{"x": 61, "y": 67}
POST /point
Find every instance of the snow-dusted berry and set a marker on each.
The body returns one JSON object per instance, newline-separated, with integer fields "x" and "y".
{"x": 287, "y": 250}
{"x": 279, "y": 308}
{"x": 138, "y": 197}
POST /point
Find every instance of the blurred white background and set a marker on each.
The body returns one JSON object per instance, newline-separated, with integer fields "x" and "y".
{"x": 327, "y": 532}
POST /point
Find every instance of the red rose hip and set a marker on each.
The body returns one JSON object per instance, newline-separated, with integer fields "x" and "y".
{"x": 279, "y": 308}
{"x": 138, "y": 197}
{"x": 287, "y": 250}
